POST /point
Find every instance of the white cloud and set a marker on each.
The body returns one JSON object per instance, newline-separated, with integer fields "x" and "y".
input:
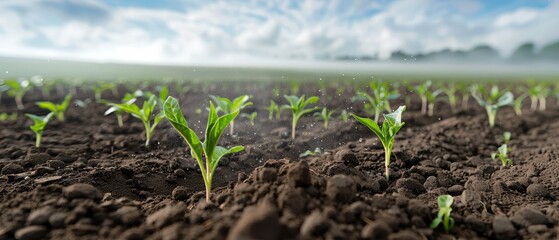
{"x": 225, "y": 32}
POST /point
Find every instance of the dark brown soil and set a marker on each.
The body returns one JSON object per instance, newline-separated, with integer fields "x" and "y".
{"x": 93, "y": 180}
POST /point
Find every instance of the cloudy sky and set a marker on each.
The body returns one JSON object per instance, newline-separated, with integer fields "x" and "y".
{"x": 245, "y": 32}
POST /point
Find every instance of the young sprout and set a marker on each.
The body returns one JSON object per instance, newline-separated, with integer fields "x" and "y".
{"x": 502, "y": 153}
{"x": 427, "y": 96}
{"x": 6, "y": 116}
{"x": 251, "y": 117}
{"x": 298, "y": 105}
{"x": 445, "y": 208}
{"x": 538, "y": 94}
{"x": 506, "y": 137}
{"x": 57, "y": 109}
{"x": 18, "y": 90}
{"x": 39, "y": 124}
{"x": 145, "y": 114}
{"x": 273, "y": 110}
{"x": 324, "y": 116}
{"x": 450, "y": 90}
{"x": 492, "y": 100}
{"x": 517, "y": 103}
{"x": 391, "y": 125}
{"x": 465, "y": 91}
{"x": 227, "y": 106}
{"x": 128, "y": 98}
{"x": 310, "y": 153}
{"x": 99, "y": 88}
{"x": 379, "y": 100}
{"x": 208, "y": 150}
{"x": 344, "y": 116}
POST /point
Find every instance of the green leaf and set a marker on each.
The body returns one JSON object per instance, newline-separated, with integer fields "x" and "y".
{"x": 174, "y": 115}
{"x": 219, "y": 152}
{"x": 370, "y": 124}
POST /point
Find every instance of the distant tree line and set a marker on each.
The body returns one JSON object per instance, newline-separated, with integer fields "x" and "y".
{"x": 526, "y": 52}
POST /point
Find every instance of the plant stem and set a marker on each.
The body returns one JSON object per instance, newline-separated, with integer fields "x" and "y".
{"x": 431, "y": 109}
{"x": 38, "y": 140}
{"x": 387, "y": 153}
{"x": 97, "y": 96}
{"x": 423, "y": 105}
{"x": 465, "y": 99}
{"x": 19, "y": 102}
{"x": 534, "y": 105}
{"x": 231, "y": 127}
{"x": 377, "y": 114}
{"x": 148, "y": 133}
{"x": 293, "y": 126}
{"x": 491, "y": 115}
{"x": 61, "y": 116}
{"x": 119, "y": 119}
{"x": 542, "y": 104}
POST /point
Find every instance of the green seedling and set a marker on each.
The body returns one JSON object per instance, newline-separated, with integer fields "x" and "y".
{"x": 274, "y": 110}
{"x": 251, "y": 117}
{"x": 379, "y": 100}
{"x": 344, "y": 116}
{"x": 99, "y": 88}
{"x": 506, "y": 137}
{"x": 298, "y": 105}
{"x": 324, "y": 116}
{"x": 17, "y": 90}
{"x": 145, "y": 114}
{"x": 309, "y": 153}
{"x": 208, "y": 150}
{"x": 517, "y": 103}
{"x": 492, "y": 100}
{"x": 229, "y": 106}
{"x": 465, "y": 91}
{"x": 128, "y": 99}
{"x": 57, "y": 109}
{"x": 82, "y": 103}
{"x": 427, "y": 96}
{"x": 390, "y": 127}
{"x": 8, "y": 117}
{"x": 538, "y": 94}
{"x": 39, "y": 124}
{"x": 445, "y": 208}
{"x": 450, "y": 90}
{"x": 502, "y": 154}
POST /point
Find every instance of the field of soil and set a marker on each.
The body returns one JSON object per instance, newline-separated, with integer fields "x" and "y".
{"x": 91, "y": 179}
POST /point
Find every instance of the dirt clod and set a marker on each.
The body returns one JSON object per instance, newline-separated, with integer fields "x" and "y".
{"x": 503, "y": 228}
{"x": 538, "y": 190}
{"x": 12, "y": 168}
{"x": 315, "y": 224}
{"x": 32, "y": 233}
{"x": 257, "y": 222}
{"x": 299, "y": 175}
{"x": 341, "y": 188}
{"x": 82, "y": 190}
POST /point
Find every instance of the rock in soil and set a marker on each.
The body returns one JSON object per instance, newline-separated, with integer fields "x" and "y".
{"x": 180, "y": 193}
{"x": 82, "y": 190}
{"x": 538, "y": 190}
{"x": 346, "y": 157}
{"x": 410, "y": 184}
{"x": 32, "y": 233}
{"x": 341, "y": 189}
{"x": 257, "y": 222}
{"x": 316, "y": 224}
{"x": 503, "y": 228}
{"x": 166, "y": 216}
{"x": 528, "y": 216}
{"x": 12, "y": 168}
{"x": 299, "y": 175}
{"x": 40, "y": 216}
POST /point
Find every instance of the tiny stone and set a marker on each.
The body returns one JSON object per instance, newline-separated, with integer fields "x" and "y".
{"x": 31, "y": 233}
{"x": 179, "y": 173}
{"x": 455, "y": 190}
{"x": 12, "y": 168}
{"x": 180, "y": 193}
{"x": 82, "y": 190}
{"x": 341, "y": 188}
{"x": 56, "y": 164}
{"x": 346, "y": 157}
{"x": 537, "y": 190}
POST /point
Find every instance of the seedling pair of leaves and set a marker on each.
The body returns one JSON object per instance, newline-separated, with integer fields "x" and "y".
{"x": 324, "y": 116}
{"x": 427, "y": 96}
{"x": 390, "y": 127}
{"x": 227, "y": 106}
{"x": 298, "y": 107}
{"x": 379, "y": 100}
{"x": 502, "y": 154}
{"x": 491, "y": 100}
{"x": 57, "y": 109}
{"x": 99, "y": 88}
{"x": 38, "y": 127}
{"x": 274, "y": 110}
{"x": 206, "y": 153}
{"x": 445, "y": 208}
{"x": 17, "y": 90}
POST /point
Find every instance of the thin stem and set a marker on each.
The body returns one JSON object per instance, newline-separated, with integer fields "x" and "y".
{"x": 61, "y": 116}
{"x": 431, "y": 109}
{"x": 293, "y": 127}
{"x": 377, "y": 114}
{"x": 387, "y": 153}
{"x": 423, "y": 105}
{"x": 38, "y": 140}
{"x": 19, "y": 102}
{"x": 98, "y": 96}
{"x": 542, "y": 104}
{"x": 465, "y": 99}
{"x": 491, "y": 115}
{"x": 119, "y": 119}
{"x": 231, "y": 127}
{"x": 534, "y": 101}
{"x": 148, "y": 133}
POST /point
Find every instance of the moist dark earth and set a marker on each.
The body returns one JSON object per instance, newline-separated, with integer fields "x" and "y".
{"x": 91, "y": 179}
